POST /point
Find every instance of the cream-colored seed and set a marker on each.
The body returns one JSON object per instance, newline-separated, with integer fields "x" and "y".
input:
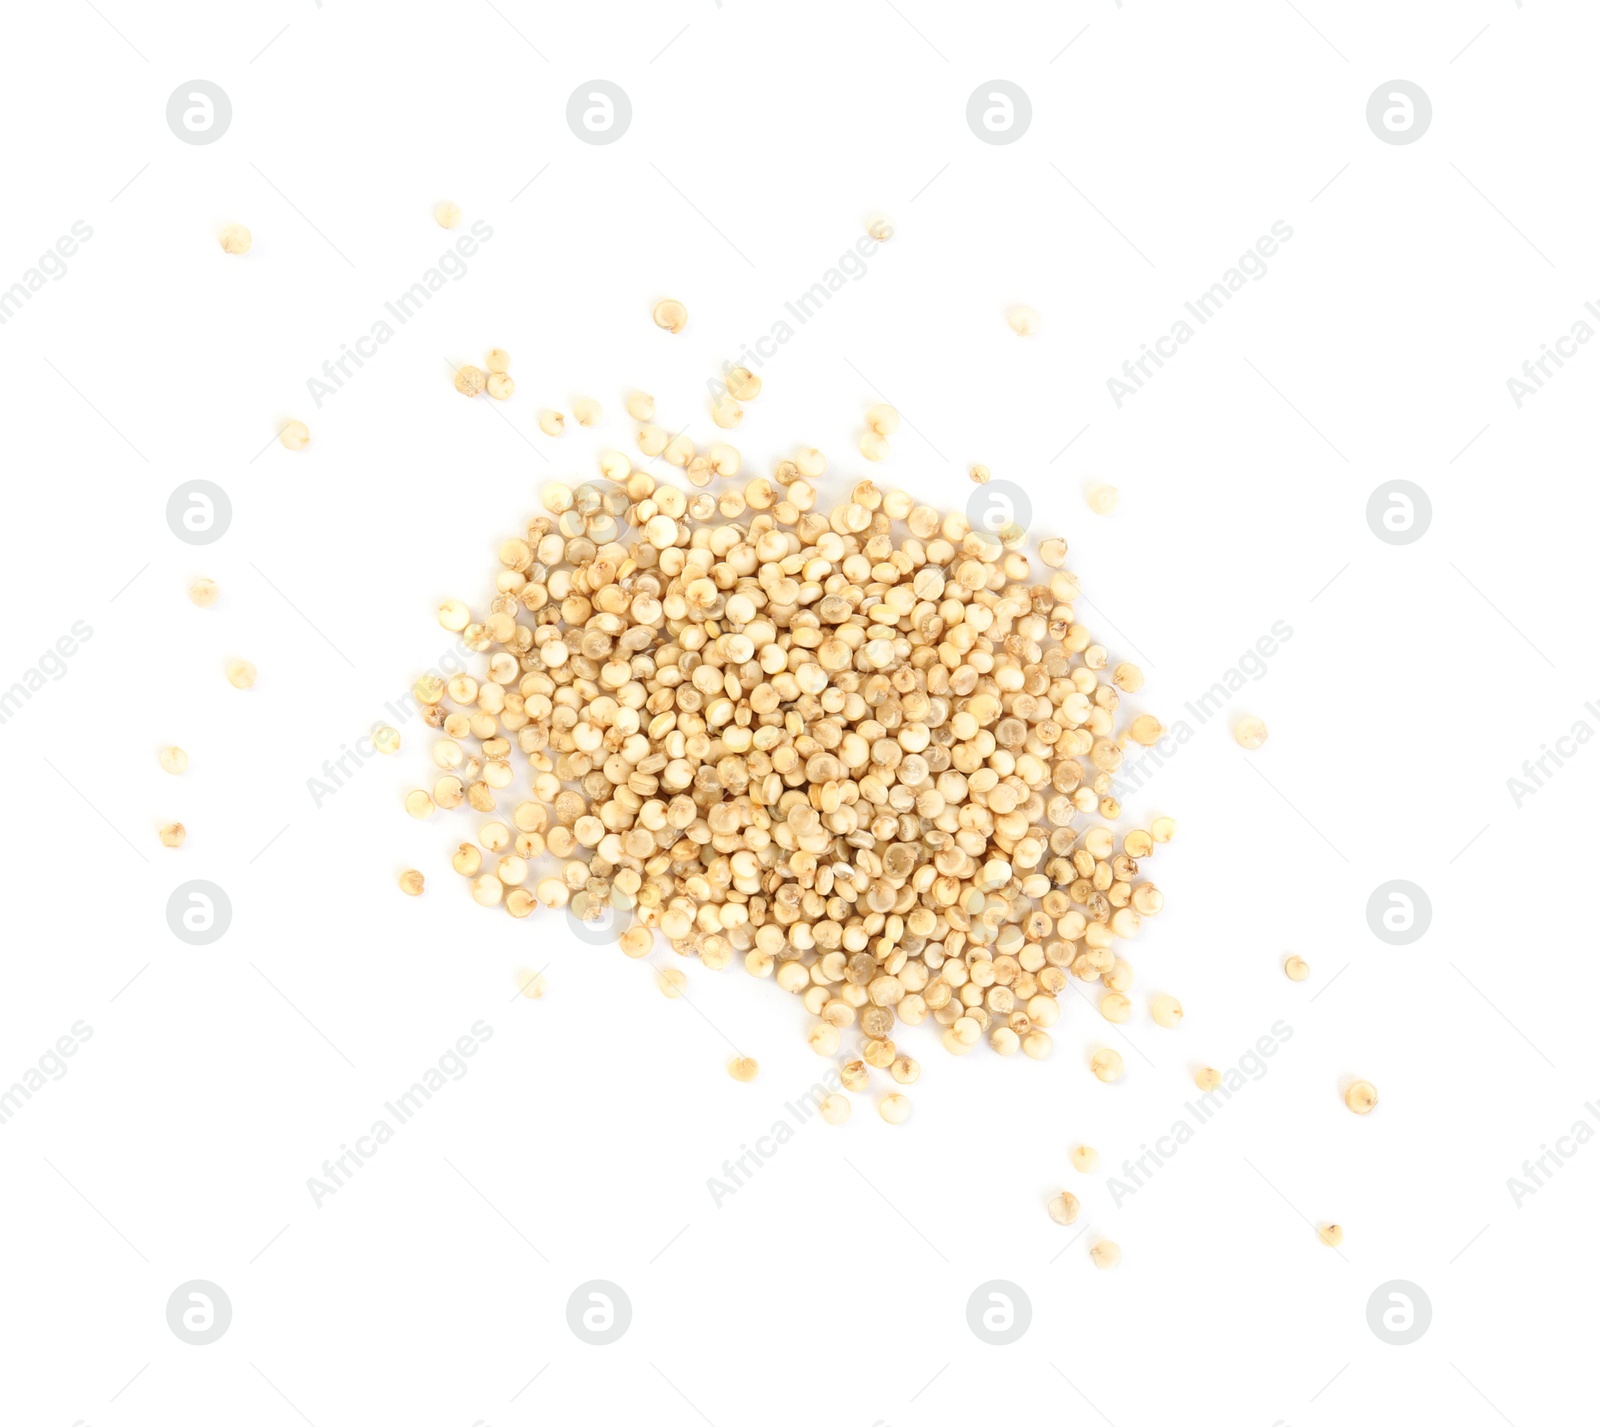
{"x": 1207, "y": 1078}
{"x": 1085, "y": 1159}
{"x": 835, "y": 1109}
{"x": 586, "y": 410}
{"x": 499, "y": 385}
{"x": 1166, "y": 1011}
{"x": 726, "y": 412}
{"x": 419, "y": 804}
{"x": 1116, "y": 1007}
{"x": 1053, "y": 552}
{"x": 1105, "y": 1253}
{"x": 670, "y": 314}
{"x": 743, "y": 1068}
{"x": 670, "y": 982}
{"x": 487, "y": 890}
{"x": 1296, "y": 969}
{"x": 872, "y": 446}
{"x": 454, "y": 615}
{"x": 641, "y": 406}
{"x": 471, "y": 380}
{"x": 235, "y": 238}
{"x": 552, "y": 423}
{"x": 1024, "y": 321}
{"x": 241, "y": 673}
{"x": 295, "y": 436}
{"x": 173, "y": 834}
{"x": 498, "y": 361}
{"x": 1064, "y": 1208}
{"x": 532, "y": 984}
{"x": 743, "y": 384}
{"x": 1249, "y": 732}
{"x": 895, "y": 1109}
{"x": 446, "y": 214}
{"x": 386, "y": 739}
{"x": 824, "y": 1038}
{"x": 1361, "y": 1097}
{"x": 880, "y": 228}
{"x": 1163, "y": 829}
{"x": 1103, "y": 499}
{"x": 1106, "y": 1065}
{"x": 173, "y": 759}
{"x": 883, "y": 419}
{"x": 203, "y": 592}
{"x": 1331, "y": 1234}
{"x": 411, "y": 882}
{"x": 980, "y": 477}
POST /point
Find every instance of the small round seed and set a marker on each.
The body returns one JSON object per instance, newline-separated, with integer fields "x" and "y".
{"x": 386, "y": 739}
{"x": 743, "y": 384}
{"x": 743, "y": 1068}
{"x": 1024, "y": 321}
{"x": 411, "y": 882}
{"x": 235, "y": 238}
{"x": 1064, "y": 1208}
{"x": 203, "y": 592}
{"x": 1207, "y": 1078}
{"x": 1103, "y": 498}
{"x": 835, "y": 1109}
{"x": 1249, "y": 732}
{"x": 1296, "y": 969}
{"x": 872, "y": 446}
{"x": 1053, "y": 552}
{"x": 883, "y": 419}
{"x": 641, "y": 406}
{"x": 1106, "y": 1065}
{"x": 499, "y": 385}
{"x": 446, "y": 214}
{"x": 670, "y": 982}
{"x": 727, "y": 412}
{"x": 1331, "y": 1234}
{"x": 980, "y": 477}
{"x": 1166, "y": 1011}
{"x": 1085, "y": 1159}
{"x": 880, "y": 228}
{"x": 419, "y": 804}
{"x": 532, "y": 984}
{"x": 824, "y": 1038}
{"x": 1116, "y": 1007}
{"x": 1105, "y": 1253}
{"x": 173, "y": 834}
{"x": 552, "y": 423}
{"x": 295, "y": 436}
{"x": 587, "y": 410}
{"x": 173, "y": 759}
{"x": 1163, "y": 829}
{"x": 241, "y": 673}
{"x": 895, "y": 1109}
{"x": 498, "y": 360}
{"x": 470, "y": 380}
{"x": 670, "y": 314}
{"x": 1361, "y": 1097}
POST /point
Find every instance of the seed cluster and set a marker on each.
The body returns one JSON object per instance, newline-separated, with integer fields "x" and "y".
{"x": 867, "y": 751}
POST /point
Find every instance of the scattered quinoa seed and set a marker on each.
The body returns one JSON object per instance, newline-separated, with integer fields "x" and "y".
{"x": 1249, "y": 732}
{"x": 835, "y": 1109}
{"x": 470, "y": 380}
{"x": 241, "y": 673}
{"x": 446, "y": 214}
{"x": 1024, "y": 321}
{"x": 295, "y": 436}
{"x": 1085, "y": 1159}
{"x": 411, "y": 882}
{"x": 498, "y": 360}
{"x": 173, "y": 759}
{"x": 743, "y": 1068}
{"x": 1103, "y": 499}
{"x": 1331, "y": 1234}
{"x": 1064, "y": 1208}
{"x": 1166, "y": 1011}
{"x": 670, "y": 314}
{"x": 173, "y": 834}
{"x": 895, "y": 1109}
{"x": 1106, "y": 1065}
{"x": 586, "y": 410}
{"x": 980, "y": 477}
{"x": 552, "y": 423}
{"x": 1361, "y": 1097}
{"x": 1207, "y": 1078}
{"x": 203, "y": 592}
{"x": 1296, "y": 969}
{"x": 880, "y": 229}
{"x": 499, "y": 385}
{"x": 1105, "y": 1253}
{"x": 235, "y": 238}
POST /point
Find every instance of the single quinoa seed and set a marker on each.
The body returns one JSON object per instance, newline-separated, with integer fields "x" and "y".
{"x": 1361, "y": 1097}
{"x": 295, "y": 436}
{"x": 670, "y": 314}
{"x": 1249, "y": 732}
{"x": 235, "y": 238}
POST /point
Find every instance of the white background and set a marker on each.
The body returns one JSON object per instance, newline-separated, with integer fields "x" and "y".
{"x": 1165, "y": 140}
